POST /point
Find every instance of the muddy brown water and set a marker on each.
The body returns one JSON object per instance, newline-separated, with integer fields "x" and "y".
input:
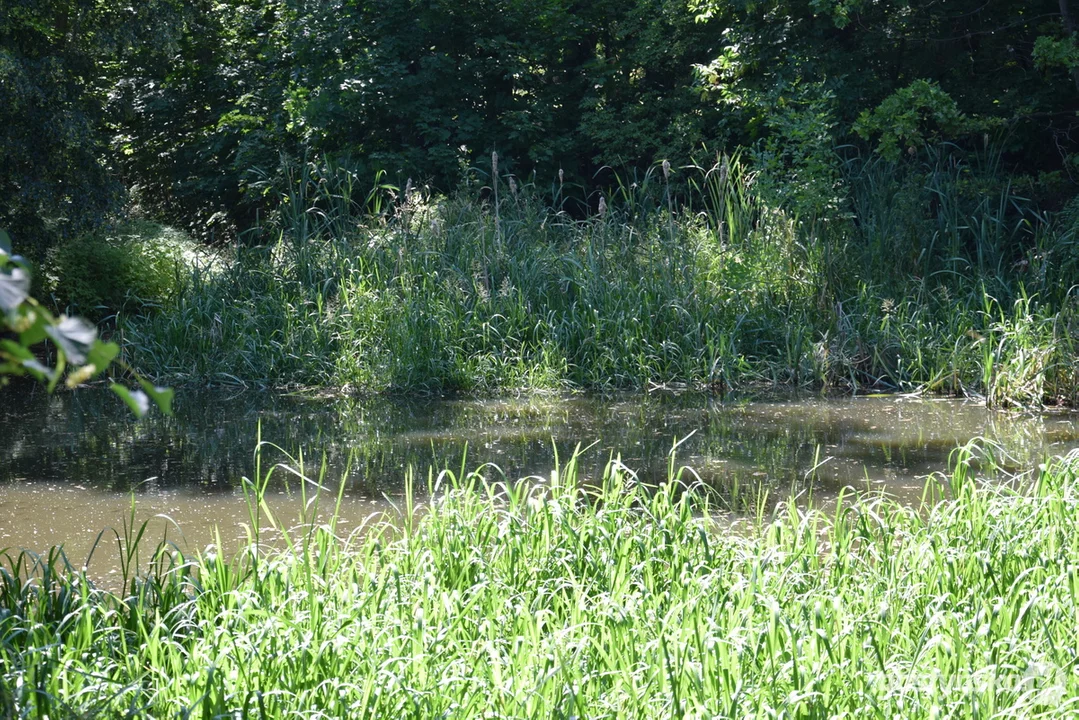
{"x": 72, "y": 464}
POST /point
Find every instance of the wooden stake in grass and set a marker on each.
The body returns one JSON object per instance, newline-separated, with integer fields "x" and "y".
{"x": 494, "y": 186}
{"x": 667, "y": 183}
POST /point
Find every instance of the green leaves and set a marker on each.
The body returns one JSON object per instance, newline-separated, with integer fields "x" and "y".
{"x": 14, "y": 288}
{"x": 162, "y": 396}
{"x": 1050, "y": 52}
{"x": 139, "y": 400}
{"x": 75, "y": 339}
{"x": 74, "y": 336}
{"x": 14, "y": 281}
{"x": 910, "y": 115}
{"x": 102, "y": 354}
{"x": 840, "y": 12}
{"x": 135, "y": 399}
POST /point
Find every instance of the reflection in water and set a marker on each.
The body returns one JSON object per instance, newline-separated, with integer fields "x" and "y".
{"x": 68, "y": 461}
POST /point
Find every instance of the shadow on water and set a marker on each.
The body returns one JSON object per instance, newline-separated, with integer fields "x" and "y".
{"x": 75, "y": 457}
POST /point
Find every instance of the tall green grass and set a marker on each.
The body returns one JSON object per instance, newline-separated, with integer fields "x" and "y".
{"x": 924, "y": 285}
{"x": 557, "y": 597}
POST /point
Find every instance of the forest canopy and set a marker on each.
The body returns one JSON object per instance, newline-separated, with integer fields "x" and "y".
{"x": 189, "y": 111}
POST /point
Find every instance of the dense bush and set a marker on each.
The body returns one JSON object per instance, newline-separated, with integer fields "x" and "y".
{"x": 133, "y": 268}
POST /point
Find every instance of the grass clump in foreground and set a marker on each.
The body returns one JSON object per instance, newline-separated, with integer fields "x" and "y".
{"x": 550, "y": 599}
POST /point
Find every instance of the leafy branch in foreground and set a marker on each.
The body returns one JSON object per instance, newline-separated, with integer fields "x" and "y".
{"x": 77, "y": 345}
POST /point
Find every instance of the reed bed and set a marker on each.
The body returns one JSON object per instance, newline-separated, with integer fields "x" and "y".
{"x": 557, "y": 597}
{"x": 491, "y": 291}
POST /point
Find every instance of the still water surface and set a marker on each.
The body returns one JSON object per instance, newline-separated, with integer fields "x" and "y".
{"x": 71, "y": 464}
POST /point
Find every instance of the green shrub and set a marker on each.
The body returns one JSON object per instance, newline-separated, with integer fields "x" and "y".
{"x": 131, "y": 269}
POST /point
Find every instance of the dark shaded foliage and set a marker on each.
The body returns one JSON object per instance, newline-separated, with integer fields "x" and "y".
{"x": 58, "y": 63}
{"x": 197, "y": 107}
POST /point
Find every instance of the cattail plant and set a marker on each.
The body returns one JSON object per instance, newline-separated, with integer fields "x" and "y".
{"x": 494, "y": 187}
{"x": 724, "y": 173}
{"x": 670, "y": 209}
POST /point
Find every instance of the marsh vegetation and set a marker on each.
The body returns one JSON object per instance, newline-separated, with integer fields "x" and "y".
{"x": 482, "y": 234}
{"x": 488, "y": 292}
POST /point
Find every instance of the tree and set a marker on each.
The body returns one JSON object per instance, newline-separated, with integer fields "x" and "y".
{"x": 858, "y": 59}
{"x": 56, "y": 70}
{"x": 193, "y": 124}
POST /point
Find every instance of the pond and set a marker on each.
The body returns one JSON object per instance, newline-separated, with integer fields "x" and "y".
{"x": 75, "y": 463}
